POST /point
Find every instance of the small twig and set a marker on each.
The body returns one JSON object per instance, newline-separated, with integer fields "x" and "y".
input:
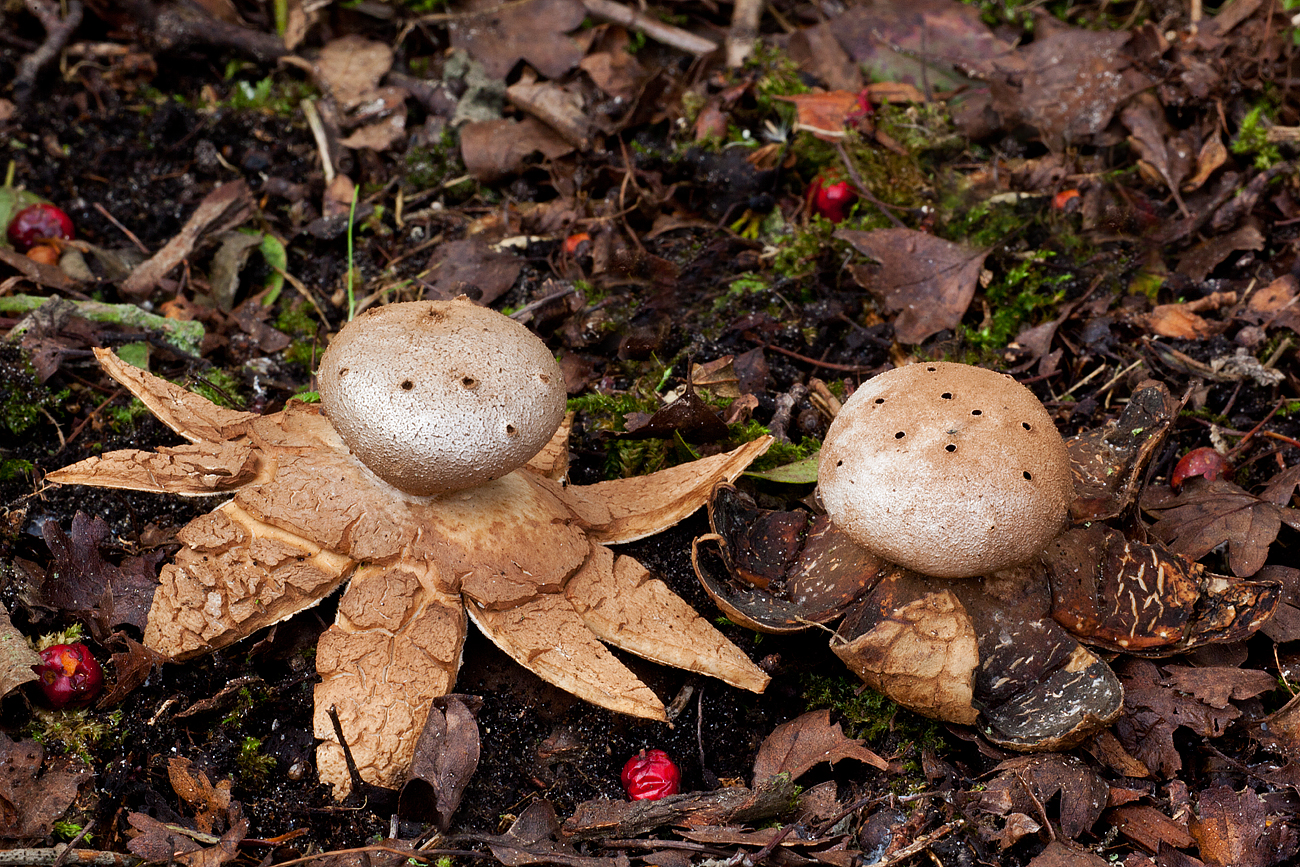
{"x": 745, "y": 18}
{"x": 85, "y": 421}
{"x": 657, "y": 30}
{"x": 322, "y": 139}
{"x": 918, "y": 845}
{"x": 71, "y": 848}
{"x": 1251, "y": 433}
{"x": 78, "y": 858}
{"x": 844, "y": 368}
{"x": 103, "y": 212}
{"x": 424, "y": 855}
{"x": 1042, "y": 811}
{"x": 57, "y": 33}
{"x": 744, "y": 859}
{"x": 862, "y": 186}
{"x": 541, "y": 302}
{"x": 1110, "y": 383}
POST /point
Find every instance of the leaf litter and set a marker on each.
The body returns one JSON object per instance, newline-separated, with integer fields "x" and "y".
{"x": 1144, "y": 146}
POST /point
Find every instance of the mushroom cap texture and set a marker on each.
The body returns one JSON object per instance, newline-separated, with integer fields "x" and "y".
{"x": 439, "y": 396}
{"x": 946, "y": 469}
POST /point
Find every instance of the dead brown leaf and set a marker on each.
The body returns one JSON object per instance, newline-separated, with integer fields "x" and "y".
{"x": 1154, "y": 709}
{"x": 1059, "y": 854}
{"x": 1215, "y": 685}
{"x": 614, "y": 70}
{"x": 446, "y": 756}
{"x": 1213, "y": 155}
{"x": 688, "y": 416}
{"x": 1208, "y": 513}
{"x": 1181, "y": 322}
{"x": 1149, "y": 827}
{"x": 474, "y": 268}
{"x": 1072, "y": 81}
{"x": 211, "y": 803}
{"x": 16, "y": 657}
{"x": 351, "y": 68}
{"x": 1025, "y": 784}
{"x": 1148, "y": 131}
{"x": 1276, "y": 305}
{"x": 1234, "y": 829}
{"x": 1199, "y": 261}
{"x": 806, "y": 741}
{"x": 822, "y": 114}
{"x": 503, "y": 35}
{"x": 84, "y": 584}
{"x": 492, "y": 149}
{"x": 33, "y": 793}
{"x": 928, "y": 280}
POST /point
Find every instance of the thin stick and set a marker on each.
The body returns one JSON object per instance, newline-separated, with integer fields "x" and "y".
{"x": 745, "y": 18}
{"x": 918, "y": 845}
{"x": 657, "y": 30}
{"x": 103, "y": 212}
{"x": 862, "y": 186}
{"x": 322, "y": 140}
{"x": 57, "y": 33}
{"x": 845, "y": 368}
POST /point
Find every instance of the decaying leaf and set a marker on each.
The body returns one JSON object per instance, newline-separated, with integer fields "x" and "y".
{"x": 446, "y": 756}
{"x": 823, "y": 114}
{"x": 83, "y": 584}
{"x": 808, "y": 740}
{"x": 533, "y": 31}
{"x": 1154, "y": 708}
{"x": 474, "y": 268}
{"x": 689, "y": 416}
{"x": 1026, "y": 784}
{"x": 1234, "y": 829}
{"x": 1206, "y": 514}
{"x": 16, "y": 656}
{"x": 34, "y": 793}
{"x": 929, "y": 281}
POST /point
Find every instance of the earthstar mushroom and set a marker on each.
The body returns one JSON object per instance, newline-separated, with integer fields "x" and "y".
{"x": 519, "y": 552}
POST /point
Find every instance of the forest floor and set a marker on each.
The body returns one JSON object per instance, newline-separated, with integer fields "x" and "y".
{"x": 1097, "y": 198}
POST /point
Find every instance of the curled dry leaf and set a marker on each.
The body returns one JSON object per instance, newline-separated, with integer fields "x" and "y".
{"x": 16, "y": 657}
{"x": 524, "y": 555}
{"x": 1108, "y": 461}
{"x": 806, "y": 741}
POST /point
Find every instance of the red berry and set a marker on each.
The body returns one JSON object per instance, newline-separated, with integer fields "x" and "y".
{"x": 36, "y": 222}
{"x": 831, "y": 199}
{"x": 651, "y": 775}
{"x": 69, "y": 676}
